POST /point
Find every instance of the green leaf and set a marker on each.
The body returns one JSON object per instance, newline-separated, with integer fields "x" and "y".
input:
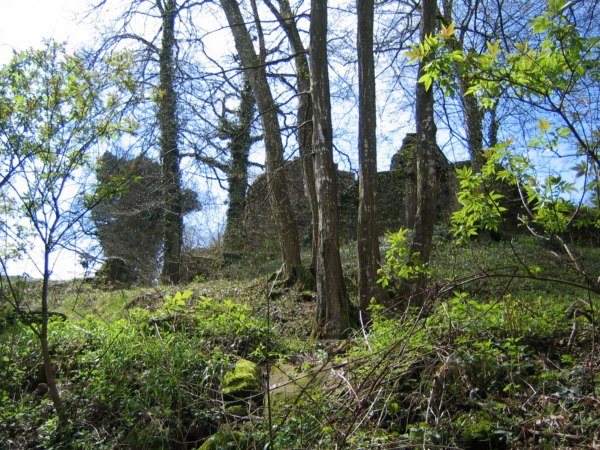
{"x": 414, "y": 54}
{"x": 448, "y": 32}
{"x": 494, "y": 48}
{"x": 427, "y": 80}
{"x": 543, "y": 125}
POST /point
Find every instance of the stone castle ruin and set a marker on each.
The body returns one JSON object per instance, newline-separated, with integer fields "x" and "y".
{"x": 396, "y": 199}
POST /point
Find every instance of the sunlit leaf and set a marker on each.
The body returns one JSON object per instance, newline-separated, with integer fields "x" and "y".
{"x": 448, "y": 32}
{"x": 543, "y": 125}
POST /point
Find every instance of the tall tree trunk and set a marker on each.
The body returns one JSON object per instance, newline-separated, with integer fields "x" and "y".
{"x": 426, "y": 153}
{"x": 49, "y": 368}
{"x": 169, "y": 151}
{"x": 280, "y": 202}
{"x": 493, "y": 128}
{"x": 367, "y": 237}
{"x": 473, "y": 123}
{"x": 287, "y": 21}
{"x": 472, "y": 113}
{"x": 239, "y": 133}
{"x": 332, "y": 315}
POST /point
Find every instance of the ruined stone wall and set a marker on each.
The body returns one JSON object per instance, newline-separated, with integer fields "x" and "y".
{"x": 260, "y": 225}
{"x": 404, "y": 163}
{"x": 396, "y": 199}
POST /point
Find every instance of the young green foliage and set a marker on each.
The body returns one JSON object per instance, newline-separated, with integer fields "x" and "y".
{"x": 56, "y": 108}
{"x": 398, "y": 268}
{"x": 554, "y": 71}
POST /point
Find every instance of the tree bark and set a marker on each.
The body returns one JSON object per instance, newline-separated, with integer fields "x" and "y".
{"x": 332, "y": 314}
{"x": 474, "y": 123}
{"x": 472, "y": 113}
{"x": 169, "y": 151}
{"x": 367, "y": 237}
{"x": 426, "y": 152}
{"x": 240, "y": 137}
{"x": 49, "y": 369}
{"x": 280, "y": 203}
{"x": 286, "y": 19}
{"x": 493, "y": 128}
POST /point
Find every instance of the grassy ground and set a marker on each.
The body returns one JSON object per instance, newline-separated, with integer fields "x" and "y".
{"x": 496, "y": 359}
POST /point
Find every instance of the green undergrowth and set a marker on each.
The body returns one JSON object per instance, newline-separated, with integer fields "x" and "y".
{"x": 485, "y": 265}
{"x": 496, "y": 374}
{"x": 490, "y": 361}
{"x": 149, "y": 377}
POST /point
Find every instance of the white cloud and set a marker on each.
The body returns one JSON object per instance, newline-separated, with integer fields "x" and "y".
{"x": 25, "y": 23}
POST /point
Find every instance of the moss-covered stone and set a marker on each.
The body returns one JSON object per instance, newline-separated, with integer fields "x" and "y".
{"x": 239, "y": 409}
{"x": 242, "y": 386}
{"x": 199, "y": 264}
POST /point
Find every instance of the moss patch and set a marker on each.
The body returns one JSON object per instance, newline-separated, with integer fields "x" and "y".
{"x": 243, "y": 382}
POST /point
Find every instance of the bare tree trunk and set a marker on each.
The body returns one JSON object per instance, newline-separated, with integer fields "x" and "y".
{"x": 426, "y": 174}
{"x": 332, "y": 315}
{"x": 304, "y": 114}
{"x": 169, "y": 151}
{"x": 255, "y": 70}
{"x": 367, "y": 237}
{"x": 49, "y": 369}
